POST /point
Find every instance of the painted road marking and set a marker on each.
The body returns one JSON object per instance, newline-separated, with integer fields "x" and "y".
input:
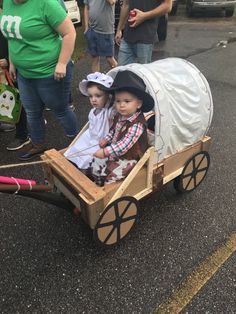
{"x": 203, "y": 272}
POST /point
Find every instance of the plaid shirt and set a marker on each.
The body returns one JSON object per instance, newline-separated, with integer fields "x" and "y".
{"x": 119, "y": 148}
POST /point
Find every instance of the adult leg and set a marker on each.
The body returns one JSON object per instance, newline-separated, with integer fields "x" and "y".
{"x": 21, "y": 126}
{"x": 22, "y": 136}
{"x": 144, "y": 53}
{"x": 92, "y": 42}
{"x": 34, "y": 111}
{"x": 105, "y": 48}
{"x": 112, "y": 62}
{"x": 95, "y": 64}
{"x": 33, "y": 107}
{"x": 126, "y": 53}
{"x": 56, "y": 95}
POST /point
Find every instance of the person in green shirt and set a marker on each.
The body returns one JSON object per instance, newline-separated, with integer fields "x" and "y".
{"x": 41, "y": 41}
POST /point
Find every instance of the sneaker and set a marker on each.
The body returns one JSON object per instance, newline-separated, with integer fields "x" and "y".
{"x": 5, "y": 127}
{"x": 72, "y": 107}
{"x": 71, "y": 136}
{"x": 47, "y": 109}
{"x": 17, "y": 144}
{"x": 34, "y": 151}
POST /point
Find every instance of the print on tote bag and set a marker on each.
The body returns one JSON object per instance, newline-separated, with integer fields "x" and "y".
{"x": 10, "y": 106}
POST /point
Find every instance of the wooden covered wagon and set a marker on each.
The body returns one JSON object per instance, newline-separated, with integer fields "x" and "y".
{"x": 183, "y": 112}
{"x": 178, "y": 152}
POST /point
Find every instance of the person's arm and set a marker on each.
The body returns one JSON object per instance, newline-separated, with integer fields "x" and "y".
{"x": 122, "y": 146}
{"x": 124, "y": 12}
{"x": 141, "y": 16}
{"x": 86, "y": 18}
{"x": 4, "y": 63}
{"x": 12, "y": 70}
{"x": 67, "y": 31}
{"x": 103, "y": 142}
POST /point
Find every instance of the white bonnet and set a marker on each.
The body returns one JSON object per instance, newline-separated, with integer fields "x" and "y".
{"x": 96, "y": 77}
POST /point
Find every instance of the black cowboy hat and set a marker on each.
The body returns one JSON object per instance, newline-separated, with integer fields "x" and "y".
{"x": 131, "y": 82}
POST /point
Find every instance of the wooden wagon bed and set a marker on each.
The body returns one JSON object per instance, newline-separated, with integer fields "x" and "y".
{"x": 146, "y": 177}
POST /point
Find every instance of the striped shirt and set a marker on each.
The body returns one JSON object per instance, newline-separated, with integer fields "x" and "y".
{"x": 117, "y": 148}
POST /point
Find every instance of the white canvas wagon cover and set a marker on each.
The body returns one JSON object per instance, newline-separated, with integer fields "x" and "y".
{"x": 183, "y": 102}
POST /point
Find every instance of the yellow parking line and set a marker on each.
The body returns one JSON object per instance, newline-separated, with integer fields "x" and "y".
{"x": 203, "y": 272}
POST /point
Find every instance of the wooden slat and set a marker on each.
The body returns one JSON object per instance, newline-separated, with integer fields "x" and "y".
{"x": 131, "y": 176}
{"x": 47, "y": 171}
{"x": 150, "y": 166}
{"x": 206, "y": 142}
{"x": 73, "y": 176}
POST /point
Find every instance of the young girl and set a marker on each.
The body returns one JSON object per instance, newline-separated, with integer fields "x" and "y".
{"x": 100, "y": 119}
{"x": 126, "y": 141}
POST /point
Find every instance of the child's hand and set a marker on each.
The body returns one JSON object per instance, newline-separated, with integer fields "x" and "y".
{"x": 99, "y": 153}
{"x": 102, "y": 143}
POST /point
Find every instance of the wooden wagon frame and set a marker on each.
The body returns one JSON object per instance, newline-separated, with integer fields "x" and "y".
{"x": 111, "y": 211}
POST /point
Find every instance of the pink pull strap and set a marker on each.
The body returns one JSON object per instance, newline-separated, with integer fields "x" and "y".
{"x": 12, "y": 180}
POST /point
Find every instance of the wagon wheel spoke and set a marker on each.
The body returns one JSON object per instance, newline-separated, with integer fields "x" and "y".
{"x": 117, "y": 229}
{"x": 116, "y": 221}
{"x": 193, "y": 173}
{"x": 117, "y": 216}
{"x": 197, "y": 171}
{"x": 128, "y": 218}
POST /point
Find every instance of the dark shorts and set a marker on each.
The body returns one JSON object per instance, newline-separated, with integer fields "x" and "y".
{"x": 100, "y": 44}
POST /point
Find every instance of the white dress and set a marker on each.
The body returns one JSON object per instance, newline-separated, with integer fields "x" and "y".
{"x": 81, "y": 152}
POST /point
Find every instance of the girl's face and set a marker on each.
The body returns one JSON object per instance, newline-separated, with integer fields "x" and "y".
{"x": 98, "y": 98}
{"x": 127, "y": 103}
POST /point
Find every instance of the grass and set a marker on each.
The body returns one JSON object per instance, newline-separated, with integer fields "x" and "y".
{"x": 80, "y": 44}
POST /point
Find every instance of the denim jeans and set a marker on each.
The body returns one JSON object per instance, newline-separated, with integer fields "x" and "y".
{"x": 131, "y": 53}
{"x": 21, "y": 126}
{"x": 35, "y": 94}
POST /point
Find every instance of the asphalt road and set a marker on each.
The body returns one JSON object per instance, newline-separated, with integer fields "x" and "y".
{"x": 49, "y": 262}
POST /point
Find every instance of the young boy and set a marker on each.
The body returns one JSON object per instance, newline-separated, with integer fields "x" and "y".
{"x": 99, "y": 31}
{"x": 127, "y": 140}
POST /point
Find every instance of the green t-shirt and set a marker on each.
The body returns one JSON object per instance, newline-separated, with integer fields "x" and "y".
{"x": 34, "y": 45}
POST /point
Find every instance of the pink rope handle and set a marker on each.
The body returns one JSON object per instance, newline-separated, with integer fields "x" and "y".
{"x": 12, "y": 180}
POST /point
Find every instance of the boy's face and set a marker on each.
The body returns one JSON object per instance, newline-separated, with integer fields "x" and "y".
{"x": 97, "y": 97}
{"x": 127, "y": 103}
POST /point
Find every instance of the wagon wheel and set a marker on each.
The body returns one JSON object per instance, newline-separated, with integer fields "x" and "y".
{"x": 116, "y": 221}
{"x": 193, "y": 173}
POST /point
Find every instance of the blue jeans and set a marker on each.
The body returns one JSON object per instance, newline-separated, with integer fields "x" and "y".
{"x": 131, "y": 53}
{"x": 35, "y": 94}
{"x": 21, "y": 126}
